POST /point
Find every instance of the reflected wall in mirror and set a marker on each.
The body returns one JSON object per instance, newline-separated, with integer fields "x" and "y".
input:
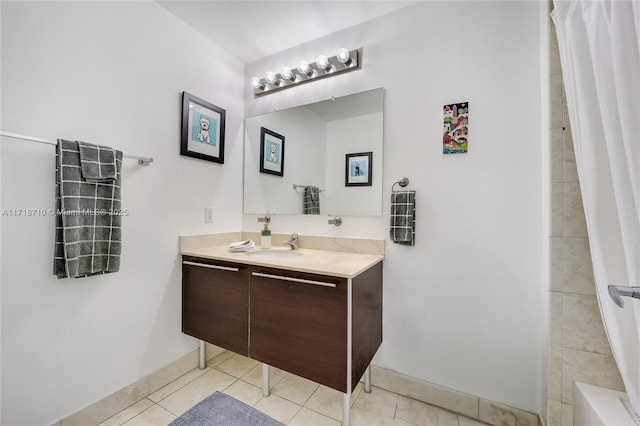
{"x": 319, "y": 136}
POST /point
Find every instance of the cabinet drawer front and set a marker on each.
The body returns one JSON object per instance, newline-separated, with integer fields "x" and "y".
{"x": 215, "y": 303}
{"x": 299, "y": 323}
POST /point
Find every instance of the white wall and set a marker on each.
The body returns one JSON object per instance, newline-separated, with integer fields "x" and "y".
{"x": 350, "y": 136}
{"x": 463, "y": 308}
{"x": 304, "y": 137}
{"x": 109, "y": 73}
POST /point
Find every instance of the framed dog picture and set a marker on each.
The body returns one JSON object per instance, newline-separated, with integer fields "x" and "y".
{"x": 271, "y": 152}
{"x": 358, "y": 169}
{"x": 202, "y": 129}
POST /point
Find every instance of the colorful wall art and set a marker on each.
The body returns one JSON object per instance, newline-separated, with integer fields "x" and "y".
{"x": 455, "y": 137}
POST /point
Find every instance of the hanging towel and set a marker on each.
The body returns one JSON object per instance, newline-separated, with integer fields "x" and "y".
{"x": 403, "y": 217}
{"x": 98, "y": 162}
{"x": 88, "y": 217}
{"x": 311, "y": 200}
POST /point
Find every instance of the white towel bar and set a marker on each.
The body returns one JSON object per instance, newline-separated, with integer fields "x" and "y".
{"x": 145, "y": 161}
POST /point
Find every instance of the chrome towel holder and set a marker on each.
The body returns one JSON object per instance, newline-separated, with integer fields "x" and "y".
{"x": 402, "y": 182}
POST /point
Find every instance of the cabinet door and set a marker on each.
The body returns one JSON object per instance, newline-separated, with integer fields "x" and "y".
{"x": 300, "y": 327}
{"x": 215, "y": 303}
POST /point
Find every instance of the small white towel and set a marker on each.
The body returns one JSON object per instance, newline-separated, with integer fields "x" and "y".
{"x": 247, "y": 245}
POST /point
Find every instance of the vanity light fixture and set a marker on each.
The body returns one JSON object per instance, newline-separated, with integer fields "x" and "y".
{"x": 343, "y": 61}
{"x": 344, "y": 57}
{"x": 305, "y": 69}
{"x": 323, "y": 63}
{"x": 287, "y": 74}
{"x": 272, "y": 79}
{"x": 256, "y": 83}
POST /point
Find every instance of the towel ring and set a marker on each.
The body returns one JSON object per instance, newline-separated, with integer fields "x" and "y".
{"x": 402, "y": 182}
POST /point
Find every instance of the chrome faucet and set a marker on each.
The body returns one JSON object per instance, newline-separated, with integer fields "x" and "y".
{"x": 337, "y": 221}
{"x": 292, "y": 242}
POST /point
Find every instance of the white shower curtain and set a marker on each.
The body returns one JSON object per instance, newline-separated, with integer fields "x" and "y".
{"x": 600, "y": 56}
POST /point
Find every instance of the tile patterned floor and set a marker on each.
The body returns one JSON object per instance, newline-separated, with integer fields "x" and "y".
{"x": 294, "y": 401}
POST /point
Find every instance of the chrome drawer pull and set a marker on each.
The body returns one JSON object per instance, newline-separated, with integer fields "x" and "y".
{"x": 205, "y": 265}
{"x": 295, "y": 280}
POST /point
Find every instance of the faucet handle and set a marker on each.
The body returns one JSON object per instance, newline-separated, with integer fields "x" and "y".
{"x": 265, "y": 219}
{"x": 337, "y": 221}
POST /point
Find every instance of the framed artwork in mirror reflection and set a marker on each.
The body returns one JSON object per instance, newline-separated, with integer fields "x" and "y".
{"x": 271, "y": 152}
{"x": 202, "y": 132}
{"x": 358, "y": 169}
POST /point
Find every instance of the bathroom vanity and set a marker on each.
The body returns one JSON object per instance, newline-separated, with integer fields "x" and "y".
{"x": 317, "y": 315}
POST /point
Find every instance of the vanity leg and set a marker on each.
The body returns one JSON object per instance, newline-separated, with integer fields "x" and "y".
{"x": 346, "y": 409}
{"x": 266, "y": 389}
{"x": 203, "y": 362}
{"x": 367, "y": 380}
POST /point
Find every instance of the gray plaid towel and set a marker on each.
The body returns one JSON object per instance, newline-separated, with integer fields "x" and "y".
{"x": 98, "y": 162}
{"x": 88, "y": 217}
{"x": 311, "y": 200}
{"x": 403, "y": 217}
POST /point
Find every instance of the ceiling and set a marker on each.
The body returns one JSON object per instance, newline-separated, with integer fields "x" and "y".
{"x": 251, "y": 30}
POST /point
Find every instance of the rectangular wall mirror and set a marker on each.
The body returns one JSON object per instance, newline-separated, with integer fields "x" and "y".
{"x": 335, "y": 145}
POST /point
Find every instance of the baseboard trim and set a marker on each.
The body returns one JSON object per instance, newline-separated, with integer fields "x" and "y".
{"x": 484, "y": 410}
{"x": 111, "y": 405}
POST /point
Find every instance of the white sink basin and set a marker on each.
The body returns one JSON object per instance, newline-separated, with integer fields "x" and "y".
{"x": 275, "y": 254}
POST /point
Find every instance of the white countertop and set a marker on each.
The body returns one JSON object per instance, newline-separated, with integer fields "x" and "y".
{"x": 332, "y": 263}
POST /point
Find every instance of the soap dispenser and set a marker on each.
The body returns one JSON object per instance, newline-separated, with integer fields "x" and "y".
{"x": 265, "y": 236}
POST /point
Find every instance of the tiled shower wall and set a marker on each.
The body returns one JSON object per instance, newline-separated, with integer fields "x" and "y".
{"x": 578, "y": 346}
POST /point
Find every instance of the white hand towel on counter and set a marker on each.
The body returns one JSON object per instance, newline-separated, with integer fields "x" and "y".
{"x": 247, "y": 245}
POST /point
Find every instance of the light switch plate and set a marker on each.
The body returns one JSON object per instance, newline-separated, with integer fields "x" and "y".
{"x": 208, "y": 215}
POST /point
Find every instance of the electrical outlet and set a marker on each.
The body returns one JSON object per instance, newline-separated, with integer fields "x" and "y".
{"x": 208, "y": 215}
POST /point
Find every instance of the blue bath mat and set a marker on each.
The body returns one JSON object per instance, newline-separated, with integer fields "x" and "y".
{"x": 220, "y": 409}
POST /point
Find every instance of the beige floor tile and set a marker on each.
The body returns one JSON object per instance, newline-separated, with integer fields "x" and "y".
{"x": 237, "y": 365}
{"x": 195, "y": 391}
{"x": 212, "y": 351}
{"x": 306, "y": 417}
{"x": 153, "y": 416}
{"x": 128, "y": 413}
{"x": 466, "y": 421}
{"x": 170, "y": 388}
{"x": 371, "y": 420}
{"x": 218, "y": 359}
{"x": 243, "y": 391}
{"x": 379, "y": 405}
{"x": 326, "y": 401}
{"x": 421, "y": 414}
{"x": 278, "y": 408}
{"x": 254, "y": 376}
{"x": 295, "y": 389}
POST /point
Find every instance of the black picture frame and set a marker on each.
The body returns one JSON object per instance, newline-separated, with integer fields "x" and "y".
{"x": 358, "y": 169}
{"x": 271, "y": 152}
{"x": 202, "y": 129}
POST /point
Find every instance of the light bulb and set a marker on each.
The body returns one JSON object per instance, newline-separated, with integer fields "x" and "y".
{"x": 304, "y": 68}
{"x": 270, "y": 77}
{"x": 343, "y": 56}
{"x": 323, "y": 63}
{"x": 287, "y": 74}
{"x": 256, "y": 83}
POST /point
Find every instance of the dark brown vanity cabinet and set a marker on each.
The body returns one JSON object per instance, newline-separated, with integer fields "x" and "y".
{"x": 300, "y": 324}
{"x": 324, "y": 328}
{"x": 215, "y": 303}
